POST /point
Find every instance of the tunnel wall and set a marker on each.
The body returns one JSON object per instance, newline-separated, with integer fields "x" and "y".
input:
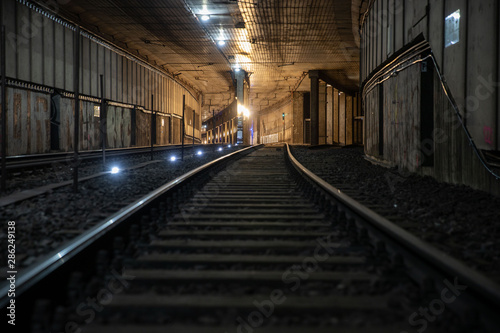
{"x": 271, "y": 123}
{"x": 340, "y": 119}
{"x": 39, "y": 67}
{"x": 410, "y": 123}
{"x": 226, "y": 126}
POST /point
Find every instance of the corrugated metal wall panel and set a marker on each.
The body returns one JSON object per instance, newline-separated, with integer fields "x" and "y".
{"x": 467, "y": 66}
{"x": 40, "y": 51}
{"x": 28, "y": 122}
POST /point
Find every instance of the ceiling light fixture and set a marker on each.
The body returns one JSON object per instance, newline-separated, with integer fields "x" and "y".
{"x": 205, "y": 17}
{"x": 221, "y": 42}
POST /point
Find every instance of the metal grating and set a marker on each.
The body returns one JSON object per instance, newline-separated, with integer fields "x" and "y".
{"x": 274, "y": 40}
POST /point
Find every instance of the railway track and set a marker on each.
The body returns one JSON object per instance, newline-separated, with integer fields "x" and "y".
{"x": 49, "y": 159}
{"x": 253, "y": 244}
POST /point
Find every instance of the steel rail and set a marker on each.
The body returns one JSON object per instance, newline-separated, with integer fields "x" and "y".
{"x": 32, "y": 275}
{"x": 439, "y": 260}
{"x": 25, "y": 161}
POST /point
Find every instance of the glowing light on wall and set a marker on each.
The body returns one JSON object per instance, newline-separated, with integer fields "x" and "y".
{"x": 243, "y": 111}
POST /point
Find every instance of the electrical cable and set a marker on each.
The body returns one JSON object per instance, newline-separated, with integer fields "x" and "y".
{"x": 389, "y": 71}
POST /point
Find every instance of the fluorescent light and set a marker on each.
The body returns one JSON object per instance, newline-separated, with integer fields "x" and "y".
{"x": 115, "y": 170}
{"x": 205, "y": 17}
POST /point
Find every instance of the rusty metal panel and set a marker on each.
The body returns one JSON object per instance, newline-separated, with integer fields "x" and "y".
{"x": 112, "y": 127}
{"x": 119, "y": 127}
{"x": 40, "y": 118}
{"x": 89, "y": 131}
{"x": 16, "y": 121}
{"x": 66, "y": 127}
{"x": 162, "y": 130}
{"x": 126, "y": 127}
{"x": 143, "y": 128}
{"x": 89, "y": 127}
{"x": 28, "y": 122}
{"x": 176, "y": 131}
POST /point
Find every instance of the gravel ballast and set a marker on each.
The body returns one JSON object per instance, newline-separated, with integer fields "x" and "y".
{"x": 458, "y": 220}
{"x": 47, "y": 221}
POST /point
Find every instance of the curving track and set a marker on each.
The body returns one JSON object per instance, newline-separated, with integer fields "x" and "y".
{"x": 42, "y": 160}
{"x": 253, "y": 244}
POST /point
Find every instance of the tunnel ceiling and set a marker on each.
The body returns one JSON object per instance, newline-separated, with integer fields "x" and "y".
{"x": 275, "y": 41}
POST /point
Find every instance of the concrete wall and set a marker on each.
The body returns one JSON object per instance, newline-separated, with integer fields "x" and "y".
{"x": 402, "y": 111}
{"x": 337, "y": 123}
{"x": 40, "y": 58}
{"x": 28, "y": 122}
{"x": 272, "y": 128}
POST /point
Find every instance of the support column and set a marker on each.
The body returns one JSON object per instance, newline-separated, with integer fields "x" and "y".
{"x": 240, "y": 95}
{"x": 322, "y": 113}
{"x": 329, "y": 115}
{"x": 314, "y": 76}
